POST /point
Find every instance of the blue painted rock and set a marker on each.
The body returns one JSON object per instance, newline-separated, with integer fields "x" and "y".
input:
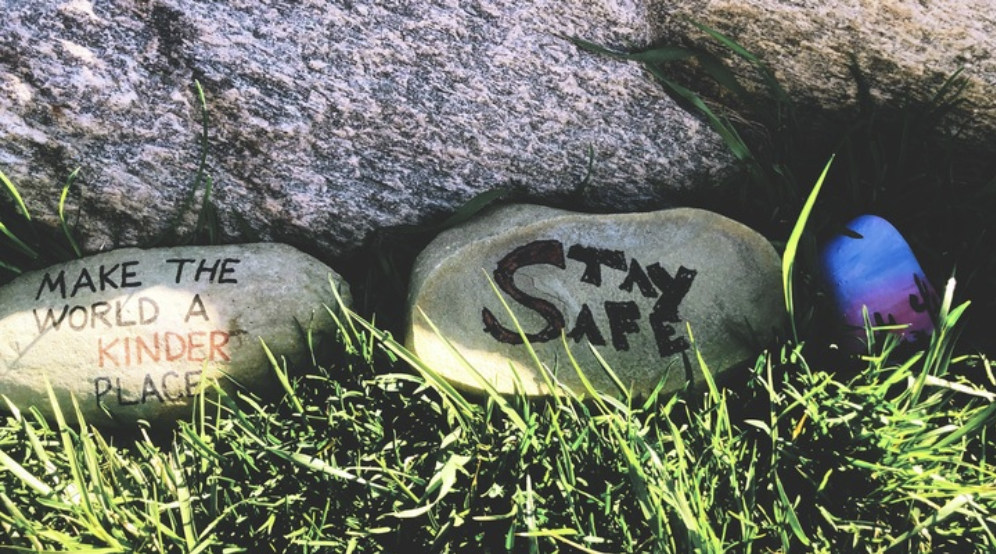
{"x": 628, "y": 285}
{"x": 872, "y": 266}
{"x": 136, "y": 334}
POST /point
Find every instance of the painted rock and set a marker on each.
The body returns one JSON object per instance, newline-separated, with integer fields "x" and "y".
{"x": 136, "y": 334}
{"x": 872, "y": 266}
{"x": 625, "y": 284}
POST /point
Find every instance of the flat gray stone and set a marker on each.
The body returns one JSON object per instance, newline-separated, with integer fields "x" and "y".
{"x": 134, "y": 334}
{"x": 330, "y": 119}
{"x": 627, "y": 284}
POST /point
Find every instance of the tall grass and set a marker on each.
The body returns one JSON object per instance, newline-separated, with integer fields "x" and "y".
{"x": 363, "y": 455}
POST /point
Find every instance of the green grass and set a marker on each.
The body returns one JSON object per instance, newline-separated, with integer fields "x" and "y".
{"x": 362, "y": 454}
{"x": 367, "y": 449}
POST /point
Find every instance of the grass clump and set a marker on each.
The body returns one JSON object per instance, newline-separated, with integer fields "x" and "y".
{"x": 361, "y": 455}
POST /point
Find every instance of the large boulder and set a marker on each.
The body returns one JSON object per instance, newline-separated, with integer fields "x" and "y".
{"x": 331, "y": 118}
{"x": 905, "y": 49}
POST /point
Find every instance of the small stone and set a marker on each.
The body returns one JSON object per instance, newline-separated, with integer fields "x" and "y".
{"x": 627, "y": 284}
{"x": 136, "y": 334}
{"x": 872, "y": 266}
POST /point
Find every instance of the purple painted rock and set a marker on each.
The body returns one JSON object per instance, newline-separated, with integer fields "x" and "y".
{"x": 874, "y": 267}
{"x": 136, "y": 334}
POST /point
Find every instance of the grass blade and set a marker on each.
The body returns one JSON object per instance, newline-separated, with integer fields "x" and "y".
{"x": 10, "y": 268}
{"x": 945, "y": 512}
{"x": 281, "y": 373}
{"x": 24, "y": 475}
{"x": 62, "y": 213}
{"x": 12, "y": 190}
{"x": 792, "y": 247}
{"x": 490, "y": 389}
{"x": 18, "y": 243}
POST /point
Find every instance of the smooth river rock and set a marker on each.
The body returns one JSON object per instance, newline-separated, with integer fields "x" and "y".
{"x": 134, "y": 334}
{"x": 872, "y": 267}
{"x": 627, "y": 284}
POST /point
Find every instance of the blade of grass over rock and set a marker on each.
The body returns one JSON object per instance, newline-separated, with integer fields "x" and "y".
{"x": 202, "y": 162}
{"x": 717, "y": 70}
{"x": 62, "y": 213}
{"x": 12, "y": 190}
{"x": 281, "y": 372}
{"x": 586, "y": 383}
{"x": 349, "y": 334}
{"x": 706, "y": 374}
{"x": 792, "y": 248}
{"x": 725, "y": 130}
{"x": 199, "y": 178}
{"x": 713, "y": 65}
{"x": 485, "y": 385}
{"x": 769, "y": 80}
{"x": 540, "y": 366}
{"x": 207, "y": 219}
{"x": 604, "y": 365}
{"x": 474, "y": 206}
{"x": 659, "y": 54}
{"x": 18, "y": 243}
{"x": 728, "y": 43}
{"x": 949, "y": 95}
{"x": 11, "y": 268}
{"x": 461, "y": 409}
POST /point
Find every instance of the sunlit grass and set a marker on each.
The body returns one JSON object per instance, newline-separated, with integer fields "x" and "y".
{"x": 364, "y": 455}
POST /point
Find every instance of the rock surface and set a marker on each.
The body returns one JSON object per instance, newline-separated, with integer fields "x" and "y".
{"x": 904, "y": 48}
{"x": 331, "y": 118}
{"x": 133, "y": 334}
{"x": 627, "y": 284}
{"x": 872, "y": 267}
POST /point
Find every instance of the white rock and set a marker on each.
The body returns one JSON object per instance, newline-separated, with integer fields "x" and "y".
{"x": 628, "y": 284}
{"x": 134, "y": 334}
